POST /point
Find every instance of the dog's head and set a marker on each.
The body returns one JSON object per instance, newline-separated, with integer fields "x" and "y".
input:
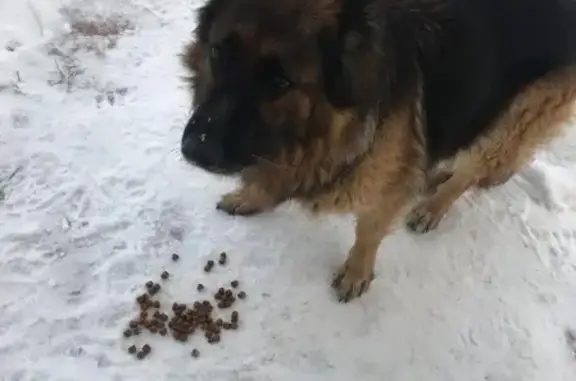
{"x": 270, "y": 76}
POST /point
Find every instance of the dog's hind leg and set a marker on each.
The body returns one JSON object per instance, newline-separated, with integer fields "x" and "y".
{"x": 535, "y": 116}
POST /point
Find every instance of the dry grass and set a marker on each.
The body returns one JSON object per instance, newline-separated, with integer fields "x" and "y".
{"x": 93, "y": 32}
{"x": 86, "y": 32}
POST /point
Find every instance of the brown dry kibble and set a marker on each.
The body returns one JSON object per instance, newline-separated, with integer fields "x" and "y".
{"x": 149, "y": 284}
{"x": 142, "y": 298}
{"x": 175, "y": 257}
{"x": 153, "y": 291}
{"x": 234, "y": 284}
{"x": 136, "y": 331}
{"x": 143, "y": 315}
{"x": 222, "y": 259}
{"x": 127, "y": 333}
{"x": 146, "y": 348}
{"x": 234, "y": 317}
{"x": 219, "y": 322}
{"x": 242, "y": 295}
{"x": 133, "y": 324}
{"x": 141, "y": 355}
{"x": 195, "y": 353}
{"x": 132, "y": 349}
{"x": 228, "y": 294}
{"x": 200, "y": 287}
{"x": 165, "y": 275}
{"x": 234, "y": 325}
{"x": 227, "y": 325}
{"x": 156, "y": 304}
{"x": 163, "y": 331}
{"x": 209, "y": 266}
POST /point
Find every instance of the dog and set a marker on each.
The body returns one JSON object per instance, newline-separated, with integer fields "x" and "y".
{"x": 385, "y": 109}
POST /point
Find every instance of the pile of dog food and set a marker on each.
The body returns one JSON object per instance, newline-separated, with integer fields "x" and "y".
{"x": 182, "y": 321}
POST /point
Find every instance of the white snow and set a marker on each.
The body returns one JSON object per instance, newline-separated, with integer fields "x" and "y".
{"x": 95, "y": 198}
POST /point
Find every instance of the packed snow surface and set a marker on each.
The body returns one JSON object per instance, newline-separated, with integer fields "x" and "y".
{"x": 94, "y": 198}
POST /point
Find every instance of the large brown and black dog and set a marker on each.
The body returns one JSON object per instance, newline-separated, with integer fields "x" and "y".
{"x": 375, "y": 106}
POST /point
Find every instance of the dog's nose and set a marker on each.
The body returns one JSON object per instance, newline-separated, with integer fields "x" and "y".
{"x": 200, "y": 149}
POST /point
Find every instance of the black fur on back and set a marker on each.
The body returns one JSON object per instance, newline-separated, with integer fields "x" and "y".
{"x": 473, "y": 57}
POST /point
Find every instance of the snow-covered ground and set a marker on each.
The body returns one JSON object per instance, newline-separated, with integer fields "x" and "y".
{"x": 94, "y": 198}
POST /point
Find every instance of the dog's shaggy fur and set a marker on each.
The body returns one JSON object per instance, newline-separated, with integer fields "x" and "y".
{"x": 364, "y": 106}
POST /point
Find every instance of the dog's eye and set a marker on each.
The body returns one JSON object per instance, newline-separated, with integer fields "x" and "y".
{"x": 281, "y": 83}
{"x": 214, "y": 53}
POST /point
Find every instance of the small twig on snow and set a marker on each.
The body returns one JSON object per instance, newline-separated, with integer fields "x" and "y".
{"x": 36, "y": 17}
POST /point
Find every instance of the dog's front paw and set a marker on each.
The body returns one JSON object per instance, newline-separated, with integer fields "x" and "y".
{"x": 239, "y": 203}
{"x": 246, "y": 201}
{"x": 423, "y": 218}
{"x": 352, "y": 281}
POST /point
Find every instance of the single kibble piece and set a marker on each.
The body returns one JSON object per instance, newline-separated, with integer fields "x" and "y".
{"x": 132, "y": 349}
{"x": 149, "y": 284}
{"x": 242, "y": 295}
{"x": 234, "y": 317}
{"x": 227, "y": 325}
{"x": 146, "y": 348}
{"x": 229, "y": 293}
{"x": 157, "y": 287}
{"x": 200, "y": 287}
{"x": 175, "y": 257}
{"x": 163, "y": 331}
{"x": 127, "y": 333}
{"x": 133, "y": 324}
{"x": 142, "y": 298}
{"x": 234, "y": 325}
{"x": 156, "y": 304}
{"x": 165, "y": 275}
{"x": 195, "y": 353}
{"x": 143, "y": 315}
{"x": 234, "y": 284}
{"x": 219, "y": 322}
{"x": 141, "y": 355}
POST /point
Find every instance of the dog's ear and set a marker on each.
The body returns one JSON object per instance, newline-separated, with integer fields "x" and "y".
{"x": 206, "y": 16}
{"x": 349, "y": 59}
{"x": 336, "y": 75}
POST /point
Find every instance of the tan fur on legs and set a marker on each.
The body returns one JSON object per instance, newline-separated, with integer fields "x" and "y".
{"x": 534, "y": 118}
{"x": 354, "y": 276}
{"x": 248, "y": 200}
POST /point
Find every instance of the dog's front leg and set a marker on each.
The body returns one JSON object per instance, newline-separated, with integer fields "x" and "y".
{"x": 252, "y": 198}
{"x": 355, "y": 275}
